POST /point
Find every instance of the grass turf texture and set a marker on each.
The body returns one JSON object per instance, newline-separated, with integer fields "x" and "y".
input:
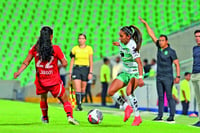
{"x": 21, "y": 117}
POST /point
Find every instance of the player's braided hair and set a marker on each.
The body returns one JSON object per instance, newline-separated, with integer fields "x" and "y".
{"x": 136, "y": 35}
{"x": 44, "y": 45}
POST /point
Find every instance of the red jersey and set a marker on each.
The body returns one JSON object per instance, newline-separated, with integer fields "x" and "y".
{"x": 47, "y": 73}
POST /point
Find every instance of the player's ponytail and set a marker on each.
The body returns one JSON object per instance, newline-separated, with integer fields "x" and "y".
{"x": 44, "y": 45}
{"x": 135, "y": 34}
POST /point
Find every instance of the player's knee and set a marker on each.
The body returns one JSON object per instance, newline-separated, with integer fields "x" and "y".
{"x": 110, "y": 92}
{"x": 63, "y": 98}
{"x": 77, "y": 90}
{"x": 83, "y": 90}
{"x": 43, "y": 97}
{"x": 128, "y": 92}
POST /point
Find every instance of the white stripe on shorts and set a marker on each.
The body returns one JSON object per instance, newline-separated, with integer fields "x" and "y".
{"x": 60, "y": 89}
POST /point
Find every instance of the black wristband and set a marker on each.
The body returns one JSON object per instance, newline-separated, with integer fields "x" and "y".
{"x": 178, "y": 77}
{"x": 90, "y": 72}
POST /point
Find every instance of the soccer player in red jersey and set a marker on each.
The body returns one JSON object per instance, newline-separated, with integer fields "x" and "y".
{"x": 47, "y": 74}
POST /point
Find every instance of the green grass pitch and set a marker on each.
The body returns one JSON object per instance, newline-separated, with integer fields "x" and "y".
{"x": 22, "y": 117}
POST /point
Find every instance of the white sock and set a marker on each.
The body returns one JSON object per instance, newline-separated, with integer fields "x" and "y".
{"x": 134, "y": 104}
{"x": 120, "y": 100}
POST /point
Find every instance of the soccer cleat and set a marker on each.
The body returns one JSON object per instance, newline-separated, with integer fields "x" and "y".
{"x": 137, "y": 121}
{"x": 197, "y": 124}
{"x": 158, "y": 118}
{"x": 79, "y": 108}
{"x": 45, "y": 119}
{"x": 72, "y": 121}
{"x": 127, "y": 112}
{"x": 170, "y": 120}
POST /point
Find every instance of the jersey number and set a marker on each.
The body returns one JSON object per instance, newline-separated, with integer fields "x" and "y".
{"x": 48, "y": 65}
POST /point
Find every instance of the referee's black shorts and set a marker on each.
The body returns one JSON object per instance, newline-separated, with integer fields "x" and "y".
{"x": 80, "y": 72}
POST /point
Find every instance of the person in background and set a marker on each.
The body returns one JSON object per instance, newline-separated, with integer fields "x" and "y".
{"x": 153, "y": 70}
{"x": 90, "y": 84}
{"x": 146, "y": 67}
{"x": 175, "y": 94}
{"x": 117, "y": 67}
{"x": 62, "y": 71}
{"x": 185, "y": 93}
{"x": 105, "y": 79}
{"x": 81, "y": 67}
{"x": 153, "y": 65}
{"x": 88, "y": 91}
{"x": 166, "y": 56}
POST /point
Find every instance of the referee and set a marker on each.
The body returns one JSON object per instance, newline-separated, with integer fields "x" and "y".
{"x": 166, "y": 56}
{"x": 82, "y": 65}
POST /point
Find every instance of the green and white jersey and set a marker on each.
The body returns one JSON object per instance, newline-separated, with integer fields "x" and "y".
{"x": 128, "y": 55}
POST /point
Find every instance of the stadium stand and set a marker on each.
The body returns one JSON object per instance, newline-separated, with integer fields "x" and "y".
{"x": 21, "y": 21}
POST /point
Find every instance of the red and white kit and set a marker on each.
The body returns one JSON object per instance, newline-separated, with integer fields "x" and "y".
{"x": 47, "y": 73}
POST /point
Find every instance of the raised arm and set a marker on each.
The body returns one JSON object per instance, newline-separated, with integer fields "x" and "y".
{"x": 149, "y": 30}
{"x": 24, "y": 65}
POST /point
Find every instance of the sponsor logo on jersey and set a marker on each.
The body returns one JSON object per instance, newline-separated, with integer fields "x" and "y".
{"x": 46, "y": 72}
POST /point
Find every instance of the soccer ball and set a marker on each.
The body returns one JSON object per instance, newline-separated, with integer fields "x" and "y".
{"x": 95, "y": 116}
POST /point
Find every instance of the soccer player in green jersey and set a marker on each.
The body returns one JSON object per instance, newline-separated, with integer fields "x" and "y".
{"x": 132, "y": 74}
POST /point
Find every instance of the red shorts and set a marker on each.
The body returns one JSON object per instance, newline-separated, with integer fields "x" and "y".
{"x": 56, "y": 90}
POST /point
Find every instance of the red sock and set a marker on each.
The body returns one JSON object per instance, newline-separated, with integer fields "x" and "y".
{"x": 68, "y": 109}
{"x": 44, "y": 108}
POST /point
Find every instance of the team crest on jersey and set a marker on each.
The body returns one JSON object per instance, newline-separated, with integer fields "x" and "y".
{"x": 166, "y": 52}
{"x": 125, "y": 50}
